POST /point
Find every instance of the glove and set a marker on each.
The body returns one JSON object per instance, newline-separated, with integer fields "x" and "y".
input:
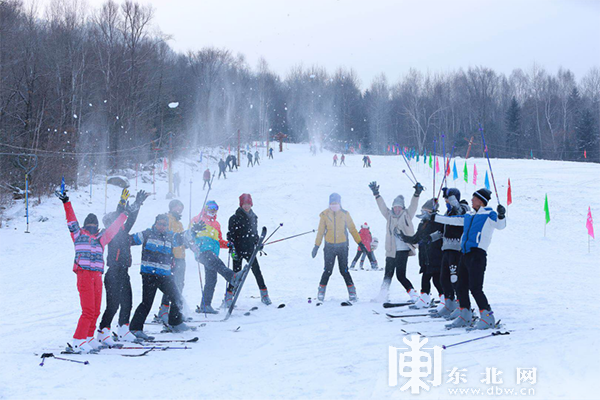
{"x": 363, "y": 247}
{"x": 199, "y": 227}
{"x": 141, "y": 196}
{"x": 418, "y": 189}
{"x": 314, "y": 251}
{"x": 374, "y": 188}
{"x": 453, "y": 201}
{"x": 230, "y": 245}
{"x": 131, "y": 208}
{"x": 62, "y": 196}
{"x": 501, "y": 211}
{"x": 124, "y": 196}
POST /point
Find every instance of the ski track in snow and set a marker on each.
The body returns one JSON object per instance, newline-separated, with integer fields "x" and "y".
{"x": 305, "y": 351}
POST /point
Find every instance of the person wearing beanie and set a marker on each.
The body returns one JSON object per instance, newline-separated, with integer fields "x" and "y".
{"x": 479, "y": 226}
{"x": 451, "y": 255}
{"x": 116, "y": 280}
{"x": 334, "y": 225}
{"x": 399, "y": 220}
{"x": 429, "y": 239}
{"x": 206, "y": 247}
{"x": 243, "y": 235}
{"x": 178, "y": 268}
{"x": 89, "y": 266}
{"x": 366, "y": 238}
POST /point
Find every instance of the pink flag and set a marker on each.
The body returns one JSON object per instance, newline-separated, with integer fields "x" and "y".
{"x": 474, "y": 174}
{"x": 589, "y": 224}
{"x": 437, "y": 165}
{"x": 165, "y": 165}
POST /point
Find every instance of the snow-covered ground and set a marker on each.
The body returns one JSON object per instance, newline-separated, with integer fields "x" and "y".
{"x": 542, "y": 288}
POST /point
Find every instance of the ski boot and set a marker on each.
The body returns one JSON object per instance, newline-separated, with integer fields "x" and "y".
{"x": 105, "y": 337}
{"x": 361, "y": 265}
{"x": 374, "y": 266}
{"x": 80, "y": 346}
{"x": 352, "y": 294}
{"x": 414, "y": 297}
{"x": 464, "y": 319}
{"x": 352, "y": 266}
{"x": 440, "y": 306}
{"x": 264, "y": 297}
{"x": 424, "y": 301}
{"x": 236, "y": 279}
{"x": 227, "y": 300}
{"x": 449, "y": 306}
{"x": 486, "y": 320}
{"x": 163, "y": 314}
{"x": 125, "y": 335}
{"x": 384, "y": 292}
{"x": 142, "y": 336}
{"x": 454, "y": 314}
{"x": 206, "y": 309}
{"x": 321, "y": 293}
{"x": 95, "y": 344}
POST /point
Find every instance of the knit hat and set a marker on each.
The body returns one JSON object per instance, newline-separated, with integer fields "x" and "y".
{"x": 91, "y": 219}
{"x": 398, "y": 201}
{"x": 161, "y": 216}
{"x": 245, "y": 198}
{"x": 451, "y": 192}
{"x": 428, "y": 205}
{"x": 484, "y": 195}
{"x": 335, "y": 198}
{"x": 175, "y": 203}
{"x": 365, "y": 226}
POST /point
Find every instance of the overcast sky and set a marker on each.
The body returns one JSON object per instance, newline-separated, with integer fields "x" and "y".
{"x": 374, "y": 36}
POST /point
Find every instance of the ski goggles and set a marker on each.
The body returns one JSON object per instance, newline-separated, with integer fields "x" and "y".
{"x": 211, "y": 207}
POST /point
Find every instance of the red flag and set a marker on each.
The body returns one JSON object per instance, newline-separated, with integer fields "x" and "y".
{"x": 589, "y": 224}
{"x": 229, "y": 149}
{"x": 584, "y": 154}
{"x": 509, "y": 194}
{"x": 448, "y": 168}
{"x": 165, "y": 165}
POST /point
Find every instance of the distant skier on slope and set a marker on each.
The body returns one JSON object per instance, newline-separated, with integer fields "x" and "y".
{"x": 256, "y": 157}
{"x": 271, "y": 153}
{"x": 206, "y": 247}
{"x": 89, "y": 244}
{"x": 399, "y": 219}
{"x": 429, "y": 239}
{"x": 366, "y": 238}
{"x": 335, "y": 158}
{"x": 343, "y": 160}
{"x": 116, "y": 280}
{"x": 334, "y": 225}
{"x": 243, "y": 235}
{"x": 206, "y": 179}
{"x": 250, "y": 163}
{"x": 222, "y": 169}
{"x": 365, "y": 161}
{"x": 479, "y": 226}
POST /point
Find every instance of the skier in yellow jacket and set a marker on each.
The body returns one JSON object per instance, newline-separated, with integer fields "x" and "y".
{"x": 334, "y": 225}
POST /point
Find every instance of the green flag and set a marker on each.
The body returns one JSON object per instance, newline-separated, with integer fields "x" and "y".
{"x": 546, "y": 209}
{"x": 466, "y": 172}
{"x": 430, "y": 161}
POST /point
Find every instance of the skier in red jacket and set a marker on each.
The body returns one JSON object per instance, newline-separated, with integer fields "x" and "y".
{"x": 367, "y": 239}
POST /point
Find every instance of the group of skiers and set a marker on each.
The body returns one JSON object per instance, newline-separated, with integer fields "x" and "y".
{"x": 452, "y": 250}
{"x": 162, "y": 266}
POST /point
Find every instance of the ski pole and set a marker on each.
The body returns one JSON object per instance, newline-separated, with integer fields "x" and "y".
{"x": 498, "y": 333}
{"x": 201, "y": 287}
{"x": 408, "y": 176}
{"x": 290, "y": 237}
{"x": 489, "y": 163}
{"x": 409, "y": 168}
{"x": 280, "y": 225}
{"x": 208, "y": 192}
{"x": 48, "y": 355}
{"x": 434, "y": 162}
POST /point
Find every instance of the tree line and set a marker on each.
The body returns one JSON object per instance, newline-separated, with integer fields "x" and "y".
{"x": 102, "y": 89}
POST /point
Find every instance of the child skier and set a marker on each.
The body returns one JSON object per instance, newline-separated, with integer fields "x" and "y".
{"x": 399, "y": 219}
{"x": 478, "y": 226}
{"x": 366, "y": 238}
{"x": 116, "y": 280}
{"x": 89, "y": 266}
{"x": 207, "y": 244}
{"x": 157, "y": 260}
{"x": 243, "y": 235}
{"x": 335, "y": 158}
{"x": 334, "y": 225}
{"x": 428, "y": 237}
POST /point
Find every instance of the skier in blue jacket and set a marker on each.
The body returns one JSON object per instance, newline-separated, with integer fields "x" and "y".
{"x": 478, "y": 227}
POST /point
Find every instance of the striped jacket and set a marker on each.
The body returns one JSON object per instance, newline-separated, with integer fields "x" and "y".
{"x": 477, "y": 227}
{"x": 157, "y": 251}
{"x": 89, "y": 249}
{"x": 211, "y": 238}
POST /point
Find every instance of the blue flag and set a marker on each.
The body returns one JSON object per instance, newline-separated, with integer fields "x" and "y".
{"x": 62, "y": 184}
{"x": 454, "y": 171}
{"x": 487, "y": 181}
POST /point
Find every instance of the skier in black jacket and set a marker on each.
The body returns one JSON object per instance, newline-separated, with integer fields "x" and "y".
{"x": 243, "y": 234}
{"x": 222, "y": 169}
{"x": 428, "y": 236}
{"x": 116, "y": 280}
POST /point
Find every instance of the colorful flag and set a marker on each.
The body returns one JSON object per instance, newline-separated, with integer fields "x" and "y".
{"x": 509, "y": 194}
{"x": 359, "y": 146}
{"x": 589, "y": 224}
{"x": 466, "y": 173}
{"x": 62, "y": 184}
{"x": 437, "y": 165}
{"x": 448, "y": 168}
{"x": 417, "y": 157}
{"x": 487, "y": 181}
{"x": 454, "y": 171}
{"x": 584, "y": 154}
{"x": 475, "y": 174}
{"x": 547, "y": 209}
{"x": 165, "y": 165}
{"x": 430, "y": 161}
{"x": 532, "y": 154}
{"x": 424, "y": 156}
